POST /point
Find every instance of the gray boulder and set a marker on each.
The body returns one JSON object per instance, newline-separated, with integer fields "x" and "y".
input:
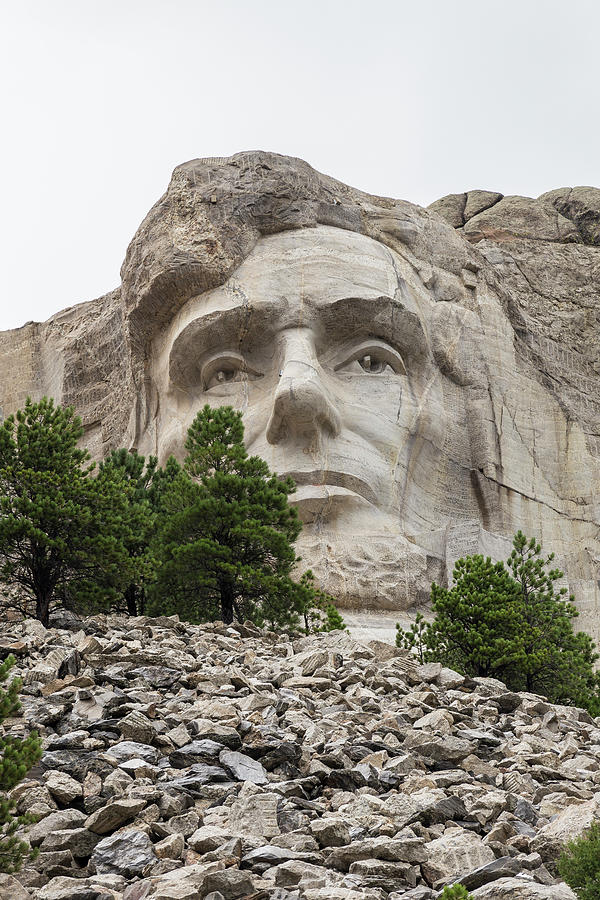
{"x": 126, "y": 853}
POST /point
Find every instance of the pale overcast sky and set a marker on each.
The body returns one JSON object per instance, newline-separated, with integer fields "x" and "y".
{"x": 103, "y": 98}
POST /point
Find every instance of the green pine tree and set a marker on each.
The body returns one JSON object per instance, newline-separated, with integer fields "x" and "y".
{"x": 508, "y": 621}
{"x": 334, "y": 621}
{"x": 16, "y": 758}
{"x": 414, "y": 638}
{"x": 62, "y": 531}
{"x": 475, "y": 619}
{"x": 225, "y": 545}
{"x": 547, "y": 656}
{"x": 147, "y": 484}
{"x": 318, "y": 608}
{"x": 455, "y": 892}
{"x": 139, "y": 474}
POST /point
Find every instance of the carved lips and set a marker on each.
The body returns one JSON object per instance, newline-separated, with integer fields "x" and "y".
{"x": 318, "y": 484}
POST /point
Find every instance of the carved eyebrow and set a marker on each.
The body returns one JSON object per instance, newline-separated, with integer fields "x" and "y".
{"x": 341, "y": 320}
{"x": 213, "y": 331}
{"x": 384, "y": 317}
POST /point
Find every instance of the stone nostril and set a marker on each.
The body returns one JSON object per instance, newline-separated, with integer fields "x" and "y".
{"x": 301, "y": 406}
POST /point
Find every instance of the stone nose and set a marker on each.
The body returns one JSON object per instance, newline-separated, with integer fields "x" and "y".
{"x": 302, "y": 406}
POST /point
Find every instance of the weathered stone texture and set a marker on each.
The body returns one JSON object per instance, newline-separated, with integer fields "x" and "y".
{"x": 429, "y": 377}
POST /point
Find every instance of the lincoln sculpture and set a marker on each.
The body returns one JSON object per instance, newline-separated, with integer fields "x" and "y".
{"x": 427, "y": 377}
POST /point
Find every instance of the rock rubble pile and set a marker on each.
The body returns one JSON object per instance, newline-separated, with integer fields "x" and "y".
{"x": 224, "y": 762}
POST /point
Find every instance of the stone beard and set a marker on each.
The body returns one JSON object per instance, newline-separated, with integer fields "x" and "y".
{"x": 429, "y": 378}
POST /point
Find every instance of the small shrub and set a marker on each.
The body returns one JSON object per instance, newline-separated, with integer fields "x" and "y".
{"x": 455, "y": 892}
{"x": 580, "y": 864}
{"x": 414, "y": 638}
{"x": 334, "y": 620}
{"x": 318, "y": 607}
{"x": 16, "y": 758}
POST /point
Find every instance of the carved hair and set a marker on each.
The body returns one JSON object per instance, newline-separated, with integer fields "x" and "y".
{"x": 215, "y": 210}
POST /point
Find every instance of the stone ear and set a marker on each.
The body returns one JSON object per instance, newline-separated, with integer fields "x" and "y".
{"x": 455, "y": 333}
{"x": 143, "y": 412}
{"x": 456, "y": 337}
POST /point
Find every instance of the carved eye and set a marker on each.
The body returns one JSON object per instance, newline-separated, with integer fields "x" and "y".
{"x": 221, "y": 376}
{"x": 226, "y": 368}
{"x": 371, "y": 363}
{"x": 374, "y": 358}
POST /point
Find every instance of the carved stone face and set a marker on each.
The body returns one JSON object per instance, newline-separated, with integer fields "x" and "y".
{"x": 321, "y": 339}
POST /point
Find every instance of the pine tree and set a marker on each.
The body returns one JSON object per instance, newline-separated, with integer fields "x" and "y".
{"x": 415, "y": 638}
{"x": 579, "y": 864}
{"x": 475, "y": 619}
{"x": 225, "y": 546}
{"x": 139, "y": 474}
{"x": 333, "y": 619}
{"x": 318, "y": 607}
{"x": 455, "y": 892}
{"x": 148, "y": 483}
{"x": 16, "y": 758}
{"x": 508, "y": 621}
{"x": 62, "y": 531}
{"x": 547, "y": 656}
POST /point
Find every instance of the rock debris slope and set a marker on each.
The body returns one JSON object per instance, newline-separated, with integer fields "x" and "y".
{"x": 223, "y": 762}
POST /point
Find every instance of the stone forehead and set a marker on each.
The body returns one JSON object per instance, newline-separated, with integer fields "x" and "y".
{"x": 215, "y": 211}
{"x": 314, "y": 267}
{"x": 315, "y": 260}
{"x": 322, "y": 240}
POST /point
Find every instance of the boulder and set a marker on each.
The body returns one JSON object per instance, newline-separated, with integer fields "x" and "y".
{"x": 12, "y": 889}
{"x": 243, "y": 768}
{"x": 126, "y": 853}
{"x": 63, "y": 819}
{"x": 63, "y": 888}
{"x": 456, "y": 852}
{"x": 565, "y": 826}
{"x": 523, "y": 889}
{"x": 113, "y": 815}
{"x": 330, "y": 832}
{"x": 62, "y": 787}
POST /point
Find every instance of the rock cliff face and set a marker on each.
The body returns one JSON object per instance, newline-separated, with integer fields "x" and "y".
{"x": 429, "y": 376}
{"x": 186, "y": 762}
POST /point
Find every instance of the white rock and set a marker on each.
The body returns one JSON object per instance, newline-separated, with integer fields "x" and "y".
{"x": 64, "y": 788}
{"x": 243, "y": 767}
{"x": 126, "y": 853}
{"x": 568, "y": 824}
{"x": 458, "y": 851}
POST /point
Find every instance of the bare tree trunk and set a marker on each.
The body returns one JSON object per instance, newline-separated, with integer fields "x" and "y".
{"x": 226, "y": 589}
{"x": 130, "y": 600}
{"x": 42, "y": 609}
